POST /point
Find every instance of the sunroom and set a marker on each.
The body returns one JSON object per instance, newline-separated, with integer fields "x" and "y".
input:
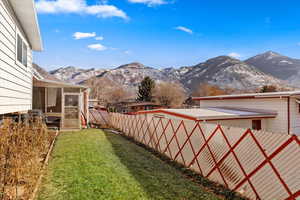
{"x": 65, "y": 106}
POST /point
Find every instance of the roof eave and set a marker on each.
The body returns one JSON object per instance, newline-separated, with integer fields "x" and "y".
{"x": 58, "y": 84}
{"x": 244, "y": 97}
{"x": 233, "y": 117}
{"x": 26, "y": 13}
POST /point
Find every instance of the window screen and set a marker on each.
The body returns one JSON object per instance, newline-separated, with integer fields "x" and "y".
{"x": 54, "y": 98}
{"x": 19, "y": 49}
{"x": 24, "y": 54}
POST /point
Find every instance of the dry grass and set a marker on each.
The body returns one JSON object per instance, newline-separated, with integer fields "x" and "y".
{"x": 23, "y": 148}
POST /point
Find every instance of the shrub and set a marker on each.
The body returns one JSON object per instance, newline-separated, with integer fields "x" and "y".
{"x": 23, "y": 148}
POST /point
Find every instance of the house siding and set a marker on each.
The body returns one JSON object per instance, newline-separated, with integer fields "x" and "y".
{"x": 15, "y": 79}
{"x": 241, "y": 123}
{"x": 294, "y": 117}
{"x": 277, "y": 125}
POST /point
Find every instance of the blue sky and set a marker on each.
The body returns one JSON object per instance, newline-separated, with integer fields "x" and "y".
{"x": 163, "y": 33}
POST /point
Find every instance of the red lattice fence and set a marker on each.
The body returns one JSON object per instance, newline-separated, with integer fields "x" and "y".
{"x": 99, "y": 117}
{"x": 259, "y": 165}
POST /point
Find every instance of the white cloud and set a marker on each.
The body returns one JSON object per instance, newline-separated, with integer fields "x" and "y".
{"x": 97, "y": 47}
{"x": 128, "y": 52}
{"x": 99, "y": 38}
{"x": 149, "y": 2}
{"x": 80, "y": 35}
{"x": 105, "y": 11}
{"x": 79, "y": 7}
{"x": 184, "y": 29}
{"x": 235, "y": 55}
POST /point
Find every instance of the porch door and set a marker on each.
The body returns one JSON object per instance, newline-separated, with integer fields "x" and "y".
{"x": 71, "y": 119}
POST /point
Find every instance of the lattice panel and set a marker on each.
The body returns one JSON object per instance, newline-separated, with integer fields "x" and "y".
{"x": 259, "y": 165}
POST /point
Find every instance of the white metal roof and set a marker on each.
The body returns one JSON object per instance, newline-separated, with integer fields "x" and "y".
{"x": 217, "y": 113}
{"x": 252, "y": 95}
{"x": 26, "y": 14}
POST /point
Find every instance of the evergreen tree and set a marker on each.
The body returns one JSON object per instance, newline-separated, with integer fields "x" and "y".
{"x": 269, "y": 88}
{"x": 146, "y": 88}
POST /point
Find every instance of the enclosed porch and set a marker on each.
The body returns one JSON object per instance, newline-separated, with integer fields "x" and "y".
{"x": 65, "y": 106}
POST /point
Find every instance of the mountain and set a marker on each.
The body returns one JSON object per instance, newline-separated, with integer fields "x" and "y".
{"x": 44, "y": 73}
{"x": 74, "y": 74}
{"x": 130, "y": 75}
{"x": 280, "y": 66}
{"x": 225, "y": 71}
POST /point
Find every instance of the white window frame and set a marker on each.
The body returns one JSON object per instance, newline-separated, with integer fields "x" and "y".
{"x": 24, "y": 42}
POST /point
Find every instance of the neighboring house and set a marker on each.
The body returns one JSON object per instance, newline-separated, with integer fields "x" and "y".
{"x": 93, "y": 103}
{"x": 277, "y": 112}
{"x": 285, "y": 104}
{"x": 132, "y": 107}
{"x": 19, "y": 35}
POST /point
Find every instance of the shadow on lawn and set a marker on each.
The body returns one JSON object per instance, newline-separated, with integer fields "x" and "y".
{"x": 162, "y": 178}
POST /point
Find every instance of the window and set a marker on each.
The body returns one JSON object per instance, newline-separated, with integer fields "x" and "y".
{"x": 54, "y": 98}
{"x": 21, "y": 51}
{"x": 38, "y": 99}
{"x": 256, "y": 124}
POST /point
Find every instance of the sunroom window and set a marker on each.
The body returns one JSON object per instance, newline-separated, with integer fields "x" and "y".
{"x": 21, "y": 51}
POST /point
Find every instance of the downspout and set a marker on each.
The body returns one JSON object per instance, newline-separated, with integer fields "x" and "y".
{"x": 288, "y": 112}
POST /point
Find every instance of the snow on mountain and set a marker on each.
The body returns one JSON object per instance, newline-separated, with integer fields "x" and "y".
{"x": 223, "y": 71}
{"x": 44, "y": 73}
{"x": 130, "y": 75}
{"x": 277, "y": 65}
{"x": 74, "y": 74}
{"x": 227, "y": 72}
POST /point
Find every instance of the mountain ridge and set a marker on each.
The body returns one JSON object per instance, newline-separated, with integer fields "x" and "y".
{"x": 277, "y": 65}
{"x": 224, "y": 71}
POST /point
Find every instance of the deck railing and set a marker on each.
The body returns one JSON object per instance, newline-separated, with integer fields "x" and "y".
{"x": 259, "y": 165}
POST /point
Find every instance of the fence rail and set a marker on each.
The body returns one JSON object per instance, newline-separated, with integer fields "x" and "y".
{"x": 259, "y": 165}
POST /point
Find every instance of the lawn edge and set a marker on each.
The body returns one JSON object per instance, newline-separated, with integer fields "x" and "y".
{"x": 46, "y": 161}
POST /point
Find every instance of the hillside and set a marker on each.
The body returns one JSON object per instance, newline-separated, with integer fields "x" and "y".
{"x": 223, "y": 71}
{"x": 44, "y": 73}
{"x": 74, "y": 74}
{"x": 278, "y": 65}
{"x": 227, "y": 72}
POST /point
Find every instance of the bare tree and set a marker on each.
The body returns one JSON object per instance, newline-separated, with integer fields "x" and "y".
{"x": 117, "y": 95}
{"x": 106, "y": 90}
{"x": 169, "y": 94}
{"x": 206, "y": 89}
{"x": 95, "y": 90}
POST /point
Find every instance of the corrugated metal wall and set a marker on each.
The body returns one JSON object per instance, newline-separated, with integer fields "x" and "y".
{"x": 259, "y": 165}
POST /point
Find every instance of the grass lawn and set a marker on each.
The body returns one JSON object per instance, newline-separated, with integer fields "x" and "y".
{"x": 93, "y": 164}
